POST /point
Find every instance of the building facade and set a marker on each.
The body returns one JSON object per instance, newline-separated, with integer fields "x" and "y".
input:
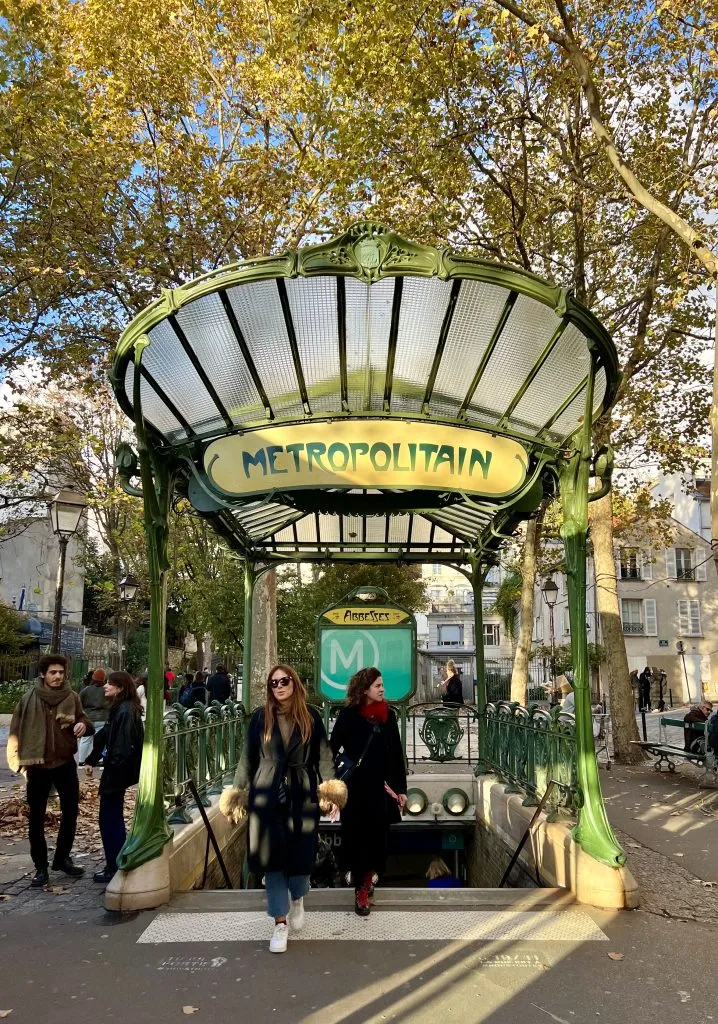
{"x": 28, "y": 578}
{"x": 668, "y": 598}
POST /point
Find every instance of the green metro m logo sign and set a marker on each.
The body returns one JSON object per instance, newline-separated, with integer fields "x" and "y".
{"x": 342, "y": 652}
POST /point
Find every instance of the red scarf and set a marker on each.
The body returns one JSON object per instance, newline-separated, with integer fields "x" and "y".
{"x": 377, "y": 711}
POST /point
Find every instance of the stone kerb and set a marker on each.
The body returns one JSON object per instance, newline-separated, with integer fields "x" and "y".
{"x": 560, "y": 860}
{"x": 180, "y": 866}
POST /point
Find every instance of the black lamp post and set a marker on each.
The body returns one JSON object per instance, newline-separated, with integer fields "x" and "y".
{"x": 128, "y": 589}
{"x": 549, "y": 592}
{"x": 66, "y": 510}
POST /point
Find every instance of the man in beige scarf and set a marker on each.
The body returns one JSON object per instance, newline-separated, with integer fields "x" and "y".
{"x": 42, "y": 744}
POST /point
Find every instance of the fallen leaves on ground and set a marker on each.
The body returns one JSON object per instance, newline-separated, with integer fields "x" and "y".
{"x": 616, "y": 956}
{"x": 14, "y": 814}
{"x": 190, "y": 1009}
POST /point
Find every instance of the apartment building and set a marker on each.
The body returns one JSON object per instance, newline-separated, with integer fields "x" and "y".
{"x": 668, "y": 598}
{"x": 450, "y": 618}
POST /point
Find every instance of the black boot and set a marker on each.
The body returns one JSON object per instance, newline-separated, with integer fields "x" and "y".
{"x": 66, "y": 865}
{"x": 103, "y": 877}
{"x": 40, "y": 879}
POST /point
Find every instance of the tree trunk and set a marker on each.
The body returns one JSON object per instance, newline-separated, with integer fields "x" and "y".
{"x": 520, "y": 671}
{"x": 623, "y": 714}
{"x": 207, "y": 663}
{"x": 264, "y": 634}
{"x": 199, "y": 640}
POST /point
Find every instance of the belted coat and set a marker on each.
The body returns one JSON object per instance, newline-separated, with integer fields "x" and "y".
{"x": 283, "y": 803}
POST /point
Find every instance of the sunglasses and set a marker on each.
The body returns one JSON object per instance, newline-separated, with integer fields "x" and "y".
{"x": 282, "y": 681}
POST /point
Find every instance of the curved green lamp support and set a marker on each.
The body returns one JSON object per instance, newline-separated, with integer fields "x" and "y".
{"x": 150, "y": 832}
{"x": 593, "y": 831}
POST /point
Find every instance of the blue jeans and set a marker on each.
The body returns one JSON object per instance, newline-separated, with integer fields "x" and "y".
{"x": 279, "y": 886}
{"x": 112, "y": 826}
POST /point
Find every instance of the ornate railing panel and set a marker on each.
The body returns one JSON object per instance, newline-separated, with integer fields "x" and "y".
{"x": 203, "y": 744}
{"x": 526, "y": 747}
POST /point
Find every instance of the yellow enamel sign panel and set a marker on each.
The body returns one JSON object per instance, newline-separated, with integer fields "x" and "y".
{"x": 367, "y": 453}
{"x": 366, "y": 616}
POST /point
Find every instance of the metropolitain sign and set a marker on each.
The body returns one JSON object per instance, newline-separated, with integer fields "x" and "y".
{"x": 394, "y": 454}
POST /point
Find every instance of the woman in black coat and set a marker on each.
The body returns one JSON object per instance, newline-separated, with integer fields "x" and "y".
{"x": 367, "y": 733}
{"x": 284, "y": 757}
{"x": 119, "y": 744}
{"x": 451, "y": 689}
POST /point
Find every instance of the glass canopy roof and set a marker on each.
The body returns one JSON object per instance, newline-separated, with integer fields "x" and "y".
{"x": 367, "y": 326}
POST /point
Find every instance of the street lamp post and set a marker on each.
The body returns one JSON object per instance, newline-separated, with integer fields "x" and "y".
{"x": 681, "y": 650}
{"x": 66, "y": 510}
{"x": 549, "y": 592}
{"x": 128, "y": 589}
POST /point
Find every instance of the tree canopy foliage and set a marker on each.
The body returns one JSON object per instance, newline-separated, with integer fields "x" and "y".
{"x": 300, "y": 601}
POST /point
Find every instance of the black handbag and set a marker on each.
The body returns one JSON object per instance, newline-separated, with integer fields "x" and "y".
{"x": 344, "y": 767}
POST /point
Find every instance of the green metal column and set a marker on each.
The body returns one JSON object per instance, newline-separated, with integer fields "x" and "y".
{"x": 478, "y": 578}
{"x": 250, "y": 578}
{"x": 593, "y": 831}
{"x": 150, "y": 831}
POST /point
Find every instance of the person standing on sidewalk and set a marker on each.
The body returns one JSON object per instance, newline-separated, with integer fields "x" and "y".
{"x": 366, "y": 732}
{"x": 219, "y": 685}
{"x": 119, "y": 744}
{"x": 44, "y": 731}
{"x": 94, "y": 702}
{"x": 283, "y": 758}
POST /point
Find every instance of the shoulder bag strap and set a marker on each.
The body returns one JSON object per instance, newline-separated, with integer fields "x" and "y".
{"x": 372, "y": 734}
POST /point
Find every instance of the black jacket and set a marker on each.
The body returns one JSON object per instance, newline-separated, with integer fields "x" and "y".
{"x": 220, "y": 687}
{"x": 369, "y": 811}
{"x": 119, "y": 742}
{"x": 283, "y": 804}
{"x": 454, "y": 693}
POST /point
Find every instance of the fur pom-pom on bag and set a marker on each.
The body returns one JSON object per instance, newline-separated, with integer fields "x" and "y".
{"x": 233, "y": 804}
{"x": 333, "y": 791}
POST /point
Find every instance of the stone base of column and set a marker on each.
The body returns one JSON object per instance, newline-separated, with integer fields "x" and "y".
{"x": 143, "y": 888}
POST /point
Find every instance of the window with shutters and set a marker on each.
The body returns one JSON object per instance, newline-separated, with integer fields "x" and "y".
{"x": 689, "y": 618}
{"x": 492, "y": 634}
{"x": 630, "y": 564}
{"x": 451, "y": 636}
{"x": 684, "y": 564}
{"x": 650, "y": 617}
{"x": 632, "y": 615}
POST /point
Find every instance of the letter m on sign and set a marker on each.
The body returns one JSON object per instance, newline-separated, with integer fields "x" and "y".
{"x": 355, "y": 656}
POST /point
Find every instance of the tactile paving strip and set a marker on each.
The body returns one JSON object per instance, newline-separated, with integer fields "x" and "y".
{"x": 386, "y": 926}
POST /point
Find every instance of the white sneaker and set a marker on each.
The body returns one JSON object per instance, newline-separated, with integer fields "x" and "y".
{"x": 296, "y": 914}
{"x": 278, "y": 941}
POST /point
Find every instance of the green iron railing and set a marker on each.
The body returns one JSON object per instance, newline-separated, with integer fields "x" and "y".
{"x": 526, "y": 748}
{"x": 203, "y": 744}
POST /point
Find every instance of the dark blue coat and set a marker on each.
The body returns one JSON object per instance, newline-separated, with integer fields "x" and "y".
{"x": 282, "y": 801}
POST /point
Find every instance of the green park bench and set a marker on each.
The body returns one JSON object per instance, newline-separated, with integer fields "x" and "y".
{"x": 670, "y": 754}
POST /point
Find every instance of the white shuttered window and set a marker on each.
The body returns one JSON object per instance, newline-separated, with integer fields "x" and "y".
{"x": 689, "y": 618}
{"x": 671, "y": 563}
{"x": 650, "y": 617}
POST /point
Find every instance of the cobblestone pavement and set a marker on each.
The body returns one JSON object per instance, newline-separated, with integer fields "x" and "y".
{"x": 63, "y": 893}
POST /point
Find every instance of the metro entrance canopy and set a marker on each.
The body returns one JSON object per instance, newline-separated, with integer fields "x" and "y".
{"x": 365, "y": 399}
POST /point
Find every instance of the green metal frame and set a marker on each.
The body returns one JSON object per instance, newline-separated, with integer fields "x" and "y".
{"x": 368, "y": 252}
{"x": 593, "y": 831}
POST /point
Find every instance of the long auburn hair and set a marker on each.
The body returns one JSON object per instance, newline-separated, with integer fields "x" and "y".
{"x": 297, "y": 710}
{"x": 360, "y": 683}
{"x": 127, "y": 687}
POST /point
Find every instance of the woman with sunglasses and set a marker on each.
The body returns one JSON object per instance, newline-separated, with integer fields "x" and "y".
{"x": 285, "y": 774}
{"x": 366, "y": 732}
